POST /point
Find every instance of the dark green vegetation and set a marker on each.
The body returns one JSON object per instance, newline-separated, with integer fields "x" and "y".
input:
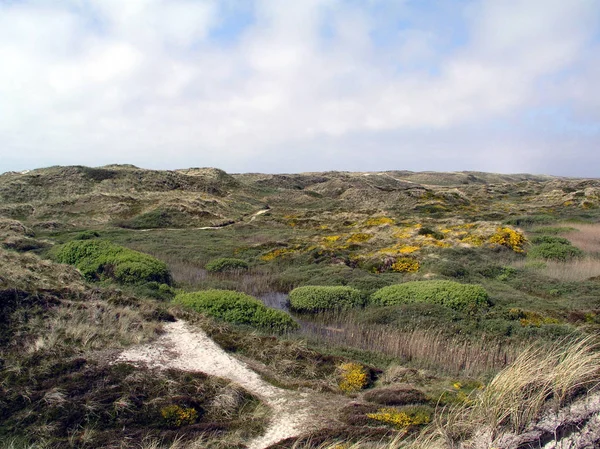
{"x": 101, "y": 259}
{"x": 312, "y": 298}
{"x": 237, "y": 308}
{"x": 553, "y": 248}
{"x": 223, "y": 264}
{"x": 455, "y": 288}
{"x": 451, "y": 294}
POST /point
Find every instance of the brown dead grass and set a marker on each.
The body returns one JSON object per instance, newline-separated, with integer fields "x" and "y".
{"x": 576, "y": 270}
{"x": 586, "y": 238}
{"x": 427, "y": 348}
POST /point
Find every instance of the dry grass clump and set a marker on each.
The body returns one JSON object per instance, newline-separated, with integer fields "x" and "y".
{"x": 91, "y": 326}
{"x": 539, "y": 380}
{"x": 30, "y": 273}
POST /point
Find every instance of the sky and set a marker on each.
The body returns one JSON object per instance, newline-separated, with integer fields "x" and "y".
{"x": 273, "y": 86}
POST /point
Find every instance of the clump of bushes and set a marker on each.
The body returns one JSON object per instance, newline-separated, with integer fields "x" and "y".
{"x": 430, "y": 233}
{"x": 403, "y": 395}
{"x": 554, "y": 248}
{"x": 237, "y": 308}
{"x": 100, "y": 259}
{"x": 550, "y": 239}
{"x": 313, "y": 298}
{"x": 509, "y": 238}
{"x": 359, "y": 237}
{"x": 409, "y": 417}
{"x": 224, "y": 264}
{"x": 466, "y": 297}
{"x": 87, "y": 235}
{"x": 353, "y": 377}
{"x": 176, "y": 416}
{"x": 406, "y": 265}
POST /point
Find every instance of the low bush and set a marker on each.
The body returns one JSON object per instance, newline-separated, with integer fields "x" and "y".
{"x": 87, "y": 235}
{"x": 431, "y": 233}
{"x": 176, "y": 416}
{"x": 101, "y": 259}
{"x": 550, "y": 239}
{"x": 509, "y": 238}
{"x": 555, "y": 251}
{"x": 451, "y": 294}
{"x": 224, "y": 264}
{"x": 313, "y": 298}
{"x": 237, "y": 308}
{"x": 529, "y": 220}
{"x": 353, "y": 377}
{"x": 406, "y": 265}
{"x": 404, "y": 395}
{"x": 402, "y": 419}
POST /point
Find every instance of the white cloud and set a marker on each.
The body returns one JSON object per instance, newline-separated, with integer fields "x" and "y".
{"x": 142, "y": 81}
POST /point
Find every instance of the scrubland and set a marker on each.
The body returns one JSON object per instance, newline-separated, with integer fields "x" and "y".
{"x": 441, "y": 310}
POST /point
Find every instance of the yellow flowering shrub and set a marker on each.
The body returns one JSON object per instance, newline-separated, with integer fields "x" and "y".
{"x": 378, "y": 221}
{"x": 406, "y": 265}
{"x": 509, "y": 238}
{"x": 532, "y": 319}
{"x": 176, "y": 416}
{"x": 404, "y": 233}
{"x": 353, "y": 377}
{"x": 359, "y": 237}
{"x": 276, "y": 253}
{"x": 399, "y": 418}
{"x": 473, "y": 239}
{"x": 408, "y": 249}
{"x": 331, "y": 238}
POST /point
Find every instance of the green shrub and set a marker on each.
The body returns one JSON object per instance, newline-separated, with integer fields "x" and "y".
{"x": 431, "y": 233}
{"x": 87, "y": 235}
{"x": 529, "y": 220}
{"x": 447, "y": 293}
{"x": 555, "y": 251}
{"x": 226, "y": 264}
{"x": 550, "y": 239}
{"x": 312, "y": 298}
{"x": 237, "y": 308}
{"x": 101, "y": 259}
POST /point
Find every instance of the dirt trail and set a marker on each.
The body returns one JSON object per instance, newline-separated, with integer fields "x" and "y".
{"x": 181, "y": 348}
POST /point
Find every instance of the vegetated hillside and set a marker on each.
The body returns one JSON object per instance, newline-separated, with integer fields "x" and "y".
{"x": 412, "y": 297}
{"x": 131, "y": 197}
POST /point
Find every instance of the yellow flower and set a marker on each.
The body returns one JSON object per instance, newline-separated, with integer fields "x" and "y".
{"x": 353, "y": 377}
{"x": 406, "y": 265}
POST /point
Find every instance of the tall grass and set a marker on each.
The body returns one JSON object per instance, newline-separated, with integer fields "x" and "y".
{"x": 192, "y": 275}
{"x": 586, "y": 238}
{"x": 576, "y": 270}
{"x": 427, "y": 348}
{"x": 539, "y": 380}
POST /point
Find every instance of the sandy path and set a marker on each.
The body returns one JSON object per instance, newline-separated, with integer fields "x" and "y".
{"x": 184, "y": 349}
{"x": 252, "y": 218}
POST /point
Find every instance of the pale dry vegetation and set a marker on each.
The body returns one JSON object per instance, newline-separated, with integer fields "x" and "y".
{"x": 426, "y": 348}
{"x": 586, "y": 238}
{"x": 576, "y": 270}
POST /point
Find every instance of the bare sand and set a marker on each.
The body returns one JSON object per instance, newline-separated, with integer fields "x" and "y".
{"x": 192, "y": 350}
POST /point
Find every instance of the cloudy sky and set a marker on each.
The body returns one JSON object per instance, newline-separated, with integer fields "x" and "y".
{"x": 304, "y": 85}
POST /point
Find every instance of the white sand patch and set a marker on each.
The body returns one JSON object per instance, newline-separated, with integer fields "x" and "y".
{"x": 187, "y": 350}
